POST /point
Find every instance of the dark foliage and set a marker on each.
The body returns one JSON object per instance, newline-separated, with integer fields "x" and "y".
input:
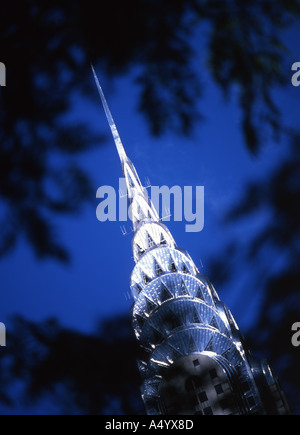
{"x": 80, "y": 373}
{"x": 273, "y": 256}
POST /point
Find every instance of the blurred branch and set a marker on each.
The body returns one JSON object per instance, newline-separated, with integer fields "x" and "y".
{"x": 84, "y": 372}
{"x": 274, "y": 254}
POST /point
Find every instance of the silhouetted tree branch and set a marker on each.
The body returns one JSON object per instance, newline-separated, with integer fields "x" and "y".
{"x": 85, "y": 374}
{"x": 272, "y": 257}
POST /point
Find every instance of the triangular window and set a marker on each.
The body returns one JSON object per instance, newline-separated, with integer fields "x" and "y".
{"x": 183, "y": 289}
{"x": 172, "y": 266}
{"x": 192, "y": 346}
{"x": 165, "y": 293}
{"x": 184, "y": 269}
{"x": 199, "y": 294}
{"x": 150, "y": 306}
{"x": 210, "y": 345}
{"x": 139, "y": 288}
{"x": 146, "y": 278}
{"x": 162, "y": 240}
{"x": 151, "y": 242}
{"x": 213, "y": 323}
{"x": 141, "y": 250}
{"x": 195, "y": 316}
{"x": 158, "y": 269}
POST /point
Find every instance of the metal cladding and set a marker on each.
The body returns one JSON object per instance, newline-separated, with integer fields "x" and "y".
{"x": 193, "y": 357}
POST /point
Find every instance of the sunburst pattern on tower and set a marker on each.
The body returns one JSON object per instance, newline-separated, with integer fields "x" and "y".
{"x": 194, "y": 360}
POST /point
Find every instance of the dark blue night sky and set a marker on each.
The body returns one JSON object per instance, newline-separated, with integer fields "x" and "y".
{"x": 95, "y": 285}
{"x": 90, "y": 288}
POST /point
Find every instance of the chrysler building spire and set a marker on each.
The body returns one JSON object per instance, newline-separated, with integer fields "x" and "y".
{"x": 141, "y": 207}
{"x": 193, "y": 359}
{"x": 111, "y": 122}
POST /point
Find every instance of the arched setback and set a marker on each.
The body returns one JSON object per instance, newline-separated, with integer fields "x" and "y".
{"x": 169, "y": 259}
{"x": 196, "y": 385}
{"x": 174, "y": 313}
{"x": 150, "y": 234}
{"x": 175, "y": 284}
{"x": 197, "y": 363}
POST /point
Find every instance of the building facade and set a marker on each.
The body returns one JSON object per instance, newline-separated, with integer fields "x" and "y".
{"x": 193, "y": 359}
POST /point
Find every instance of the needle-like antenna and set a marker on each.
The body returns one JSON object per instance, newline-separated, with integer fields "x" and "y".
{"x": 111, "y": 122}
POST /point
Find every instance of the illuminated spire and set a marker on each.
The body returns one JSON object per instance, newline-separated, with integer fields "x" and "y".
{"x": 140, "y": 204}
{"x": 111, "y": 122}
{"x": 193, "y": 358}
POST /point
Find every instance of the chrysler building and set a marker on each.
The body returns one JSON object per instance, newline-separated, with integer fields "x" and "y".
{"x": 194, "y": 361}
